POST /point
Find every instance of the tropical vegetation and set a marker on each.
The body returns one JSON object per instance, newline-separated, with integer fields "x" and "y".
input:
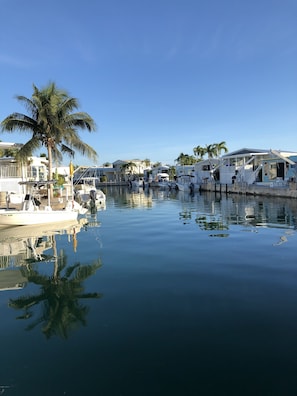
{"x": 52, "y": 122}
{"x": 185, "y": 159}
{"x": 213, "y": 150}
{"x": 9, "y": 152}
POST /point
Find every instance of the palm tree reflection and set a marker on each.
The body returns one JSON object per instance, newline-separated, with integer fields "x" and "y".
{"x": 59, "y": 297}
{"x": 211, "y": 223}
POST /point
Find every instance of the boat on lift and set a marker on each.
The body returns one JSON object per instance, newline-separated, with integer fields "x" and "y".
{"x": 30, "y": 214}
{"x": 85, "y": 191}
{"x": 33, "y": 213}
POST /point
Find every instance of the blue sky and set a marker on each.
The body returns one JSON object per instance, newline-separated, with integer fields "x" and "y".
{"x": 159, "y": 77}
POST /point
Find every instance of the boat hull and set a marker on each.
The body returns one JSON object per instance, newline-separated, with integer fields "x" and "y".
{"x": 24, "y": 217}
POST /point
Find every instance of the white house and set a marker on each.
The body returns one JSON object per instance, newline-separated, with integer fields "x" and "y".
{"x": 258, "y": 166}
{"x": 13, "y": 172}
{"x": 207, "y": 170}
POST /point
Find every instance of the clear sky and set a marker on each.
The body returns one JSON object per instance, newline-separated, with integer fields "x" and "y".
{"x": 159, "y": 77}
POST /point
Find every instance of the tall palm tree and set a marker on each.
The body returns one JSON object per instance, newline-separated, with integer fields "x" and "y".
{"x": 53, "y": 124}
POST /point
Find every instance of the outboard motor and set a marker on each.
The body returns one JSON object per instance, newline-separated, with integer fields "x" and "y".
{"x": 93, "y": 195}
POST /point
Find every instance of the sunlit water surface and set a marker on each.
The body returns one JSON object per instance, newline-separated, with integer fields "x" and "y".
{"x": 160, "y": 294}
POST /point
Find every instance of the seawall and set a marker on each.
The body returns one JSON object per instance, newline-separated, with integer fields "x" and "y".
{"x": 242, "y": 188}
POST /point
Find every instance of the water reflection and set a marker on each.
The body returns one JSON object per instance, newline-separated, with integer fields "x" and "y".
{"x": 211, "y": 223}
{"x": 223, "y": 306}
{"x": 58, "y": 298}
{"x": 131, "y": 198}
{"x": 24, "y": 244}
{"x": 213, "y": 212}
{"x": 55, "y": 304}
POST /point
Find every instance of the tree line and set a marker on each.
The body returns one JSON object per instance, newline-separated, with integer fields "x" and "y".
{"x": 213, "y": 150}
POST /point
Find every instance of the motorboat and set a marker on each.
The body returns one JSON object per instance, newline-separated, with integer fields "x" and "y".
{"x": 31, "y": 214}
{"x": 185, "y": 183}
{"x": 87, "y": 195}
{"x": 137, "y": 182}
{"x": 161, "y": 181}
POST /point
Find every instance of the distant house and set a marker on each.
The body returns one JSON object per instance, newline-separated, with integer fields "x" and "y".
{"x": 126, "y": 169}
{"x": 120, "y": 172}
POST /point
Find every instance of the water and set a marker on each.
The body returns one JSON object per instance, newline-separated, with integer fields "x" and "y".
{"x": 165, "y": 294}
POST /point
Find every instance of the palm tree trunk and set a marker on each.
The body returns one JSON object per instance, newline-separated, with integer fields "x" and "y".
{"x": 50, "y": 169}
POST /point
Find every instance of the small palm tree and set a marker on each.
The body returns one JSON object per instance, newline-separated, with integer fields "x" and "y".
{"x": 53, "y": 124}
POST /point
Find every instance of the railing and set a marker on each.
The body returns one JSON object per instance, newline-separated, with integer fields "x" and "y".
{"x": 10, "y": 171}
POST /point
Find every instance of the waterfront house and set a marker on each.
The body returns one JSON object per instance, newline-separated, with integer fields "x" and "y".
{"x": 13, "y": 172}
{"x": 207, "y": 170}
{"x": 120, "y": 172}
{"x": 254, "y": 166}
{"x": 126, "y": 170}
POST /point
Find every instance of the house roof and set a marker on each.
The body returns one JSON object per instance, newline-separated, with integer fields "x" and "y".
{"x": 7, "y": 145}
{"x": 244, "y": 152}
{"x": 248, "y": 152}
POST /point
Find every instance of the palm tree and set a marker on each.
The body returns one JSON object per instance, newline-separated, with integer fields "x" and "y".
{"x": 59, "y": 297}
{"x": 128, "y": 166}
{"x": 199, "y": 151}
{"x": 210, "y": 150}
{"x": 9, "y": 152}
{"x": 185, "y": 159}
{"x": 219, "y": 147}
{"x": 53, "y": 124}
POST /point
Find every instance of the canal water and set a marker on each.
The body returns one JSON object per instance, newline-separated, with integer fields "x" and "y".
{"x": 161, "y": 293}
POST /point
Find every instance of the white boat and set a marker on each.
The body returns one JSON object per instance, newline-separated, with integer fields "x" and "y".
{"x": 136, "y": 183}
{"x": 161, "y": 181}
{"x": 30, "y": 214}
{"x": 87, "y": 195}
{"x": 185, "y": 183}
